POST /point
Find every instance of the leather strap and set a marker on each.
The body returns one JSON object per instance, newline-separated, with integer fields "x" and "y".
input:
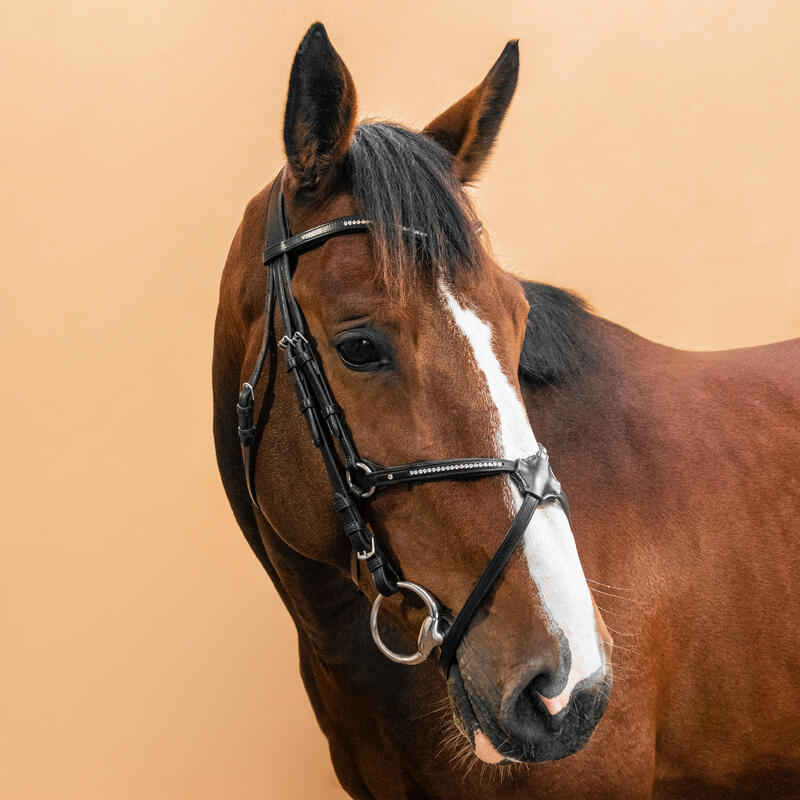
{"x": 538, "y": 483}
{"x": 486, "y": 582}
{"x": 313, "y": 237}
{"x": 319, "y": 234}
{"x": 246, "y": 403}
{"x": 450, "y": 469}
{"x": 324, "y": 418}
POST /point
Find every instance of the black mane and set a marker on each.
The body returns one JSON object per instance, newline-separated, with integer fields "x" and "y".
{"x": 402, "y": 178}
{"x": 558, "y": 344}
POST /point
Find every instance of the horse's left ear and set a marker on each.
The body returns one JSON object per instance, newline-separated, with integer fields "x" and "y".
{"x": 469, "y": 127}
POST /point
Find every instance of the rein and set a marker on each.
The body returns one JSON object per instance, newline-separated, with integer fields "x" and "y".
{"x": 355, "y": 480}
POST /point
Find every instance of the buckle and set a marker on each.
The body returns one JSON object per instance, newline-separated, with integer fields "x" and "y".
{"x": 363, "y": 555}
{"x": 286, "y": 342}
{"x": 246, "y": 392}
{"x": 244, "y": 413}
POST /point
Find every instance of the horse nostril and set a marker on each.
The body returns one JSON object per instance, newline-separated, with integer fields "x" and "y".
{"x": 547, "y": 682}
{"x": 523, "y": 715}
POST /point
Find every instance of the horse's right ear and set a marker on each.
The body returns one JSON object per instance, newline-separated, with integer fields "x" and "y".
{"x": 320, "y": 113}
{"x": 469, "y": 127}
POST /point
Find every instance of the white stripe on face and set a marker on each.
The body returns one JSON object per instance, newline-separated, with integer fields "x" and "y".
{"x": 549, "y": 545}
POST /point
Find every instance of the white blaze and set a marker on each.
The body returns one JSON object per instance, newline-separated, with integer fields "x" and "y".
{"x": 549, "y": 545}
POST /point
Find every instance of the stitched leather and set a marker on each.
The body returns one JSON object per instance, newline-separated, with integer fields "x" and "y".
{"x": 450, "y": 469}
{"x": 315, "y": 236}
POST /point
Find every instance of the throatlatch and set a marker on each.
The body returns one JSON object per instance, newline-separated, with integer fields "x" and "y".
{"x": 359, "y": 480}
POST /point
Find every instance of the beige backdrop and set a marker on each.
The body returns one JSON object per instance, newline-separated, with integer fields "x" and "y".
{"x": 650, "y": 160}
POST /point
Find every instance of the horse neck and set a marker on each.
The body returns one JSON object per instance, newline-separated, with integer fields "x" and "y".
{"x": 591, "y": 417}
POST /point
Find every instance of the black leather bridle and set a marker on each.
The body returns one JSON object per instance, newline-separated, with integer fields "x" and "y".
{"x": 353, "y": 479}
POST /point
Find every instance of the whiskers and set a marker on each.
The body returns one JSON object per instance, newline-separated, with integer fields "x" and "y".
{"x": 622, "y": 648}
{"x": 620, "y": 606}
{"x": 607, "y": 585}
{"x": 453, "y": 743}
{"x": 441, "y": 707}
{"x": 460, "y": 752}
{"x": 456, "y": 747}
{"x": 606, "y": 684}
{"x": 617, "y": 632}
{"x": 497, "y": 773}
{"x": 615, "y": 594}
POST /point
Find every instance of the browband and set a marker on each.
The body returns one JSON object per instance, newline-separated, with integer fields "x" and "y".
{"x": 313, "y": 237}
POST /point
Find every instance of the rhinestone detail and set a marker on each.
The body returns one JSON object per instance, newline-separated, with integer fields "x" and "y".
{"x": 454, "y": 467}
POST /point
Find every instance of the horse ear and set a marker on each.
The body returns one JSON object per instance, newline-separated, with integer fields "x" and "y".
{"x": 320, "y": 113}
{"x": 469, "y": 127}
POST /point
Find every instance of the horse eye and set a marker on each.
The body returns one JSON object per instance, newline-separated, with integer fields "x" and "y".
{"x": 359, "y": 353}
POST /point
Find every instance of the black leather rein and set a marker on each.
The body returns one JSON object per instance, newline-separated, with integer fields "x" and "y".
{"x": 354, "y": 480}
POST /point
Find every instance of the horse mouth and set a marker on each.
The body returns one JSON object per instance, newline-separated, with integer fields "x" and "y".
{"x": 468, "y": 723}
{"x": 559, "y": 736}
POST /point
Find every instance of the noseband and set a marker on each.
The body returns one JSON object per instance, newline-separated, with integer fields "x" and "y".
{"x": 355, "y": 480}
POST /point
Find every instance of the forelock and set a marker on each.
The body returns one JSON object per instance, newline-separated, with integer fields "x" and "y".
{"x": 423, "y": 223}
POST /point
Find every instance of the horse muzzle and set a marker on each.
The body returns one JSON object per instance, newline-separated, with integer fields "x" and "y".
{"x": 515, "y": 725}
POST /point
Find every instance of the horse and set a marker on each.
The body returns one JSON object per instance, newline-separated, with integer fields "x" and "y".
{"x": 672, "y": 577}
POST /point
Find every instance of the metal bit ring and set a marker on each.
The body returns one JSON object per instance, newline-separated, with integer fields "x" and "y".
{"x": 430, "y": 635}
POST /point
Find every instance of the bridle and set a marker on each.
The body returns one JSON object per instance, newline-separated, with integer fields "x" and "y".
{"x": 355, "y": 480}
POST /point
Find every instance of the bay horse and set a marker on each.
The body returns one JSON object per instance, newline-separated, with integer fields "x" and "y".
{"x": 674, "y": 578}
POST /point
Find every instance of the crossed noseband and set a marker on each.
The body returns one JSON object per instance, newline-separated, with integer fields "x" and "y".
{"x": 354, "y": 480}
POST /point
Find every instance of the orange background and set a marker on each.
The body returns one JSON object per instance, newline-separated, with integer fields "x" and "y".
{"x": 650, "y": 160}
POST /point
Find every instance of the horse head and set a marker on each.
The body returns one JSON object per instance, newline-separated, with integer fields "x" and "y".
{"x": 419, "y": 333}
